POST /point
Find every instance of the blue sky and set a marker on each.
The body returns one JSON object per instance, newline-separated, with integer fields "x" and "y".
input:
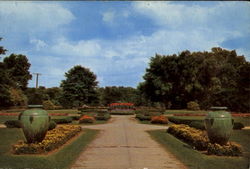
{"x": 116, "y": 39}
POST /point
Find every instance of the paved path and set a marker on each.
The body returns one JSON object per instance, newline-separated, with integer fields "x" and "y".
{"x": 124, "y": 144}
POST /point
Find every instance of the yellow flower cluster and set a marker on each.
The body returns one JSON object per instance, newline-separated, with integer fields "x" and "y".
{"x": 194, "y": 137}
{"x": 53, "y": 139}
{"x": 198, "y": 139}
{"x": 230, "y": 149}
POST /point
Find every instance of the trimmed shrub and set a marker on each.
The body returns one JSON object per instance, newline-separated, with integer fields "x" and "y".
{"x": 86, "y": 119}
{"x": 193, "y": 105}
{"x": 75, "y": 117}
{"x": 159, "y": 120}
{"x": 48, "y": 105}
{"x": 13, "y": 124}
{"x": 103, "y": 116}
{"x": 238, "y": 126}
{"x": 197, "y": 124}
{"x": 64, "y": 120}
{"x": 52, "y": 125}
{"x": 179, "y": 120}
{"x": 231, "y": 149}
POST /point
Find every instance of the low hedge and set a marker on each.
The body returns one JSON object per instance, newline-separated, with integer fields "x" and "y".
{"x": 142, "y": 117}
{"x": 53, "y": 139}
{"x": 238, "y": 126}
{"x": 103, "y": 116}
{"x": 52, "y": 125}
{"x": 122, "y": 112}
{"x": 181, "y": 121}
{"x": 197, "y": 124}
{"x": 64, "y": 120}
{"x": 13, "y": 124}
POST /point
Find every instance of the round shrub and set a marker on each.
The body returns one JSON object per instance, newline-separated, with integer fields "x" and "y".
{"x": 52, "y": 125}
{"x": 193, "y": 105}
{"x": 13, "y": 124}
{"x": 197, "y": 124}
{"x": 238, "y": 126}
{"x": 48, "y": 105}
{"x": 64, "y": 120}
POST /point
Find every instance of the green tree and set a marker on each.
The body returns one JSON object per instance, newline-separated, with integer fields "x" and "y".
{"x": 5, "y": 82}
{"x": 79, "y": 87}
{"x": 216, "y": 78}
{"x": 17, "y": 68}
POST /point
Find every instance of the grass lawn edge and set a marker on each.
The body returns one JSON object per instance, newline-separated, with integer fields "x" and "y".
{"x": 195, "y": 159}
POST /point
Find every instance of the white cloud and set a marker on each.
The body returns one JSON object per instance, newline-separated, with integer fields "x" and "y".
{"x": 83, "y": 48}
{"x": 32, "y": 16}
{"x": 39, "y": 44}
{"x": 108, "y": 16}
{"x": 222, "y": 16}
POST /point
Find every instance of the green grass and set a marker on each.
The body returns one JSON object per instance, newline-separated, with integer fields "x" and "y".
{"x": 198, "y": 160}
{"x": 183, "y": 111}
{"x": 5, "y": 118}
{"x": 243, "y": 120}
{"x": 63, "y": 158}
{"x": 70, "y": 111}
{"x": 148, "y": 122}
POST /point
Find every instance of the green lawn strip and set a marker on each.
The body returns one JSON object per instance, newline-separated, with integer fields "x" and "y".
{"x": 5, "y": 118}
{"x": 243, "y": 120}
{"x": 63, "y": 158}
{"x": 184, "y": 111}
{"x": 148, "y": 122}
{"x": 70, "y": 111}
{"x": 195, "y": 159}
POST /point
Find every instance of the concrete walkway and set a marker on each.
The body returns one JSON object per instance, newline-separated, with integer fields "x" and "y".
{"x": 124, "y": 144}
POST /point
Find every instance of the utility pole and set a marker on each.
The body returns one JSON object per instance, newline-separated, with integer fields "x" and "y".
{"x": 37, "y": 74}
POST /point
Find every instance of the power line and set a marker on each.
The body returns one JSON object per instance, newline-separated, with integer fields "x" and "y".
{"x": 37, "y": 74}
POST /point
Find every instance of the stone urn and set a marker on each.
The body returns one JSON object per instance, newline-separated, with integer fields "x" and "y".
{"x": 219, "y": 125}
{"x": 35, "y": 123}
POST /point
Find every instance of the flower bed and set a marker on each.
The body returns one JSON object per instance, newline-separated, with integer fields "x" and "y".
{"x": 86, "y": 119}
{"x": 194, "y": 137}
{"x": 159, "y": 120}
{"x": 198, "y": 140}
{"x": 53, "y": 139}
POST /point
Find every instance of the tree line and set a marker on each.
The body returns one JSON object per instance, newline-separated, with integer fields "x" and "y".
{"x": 216, "y": 78}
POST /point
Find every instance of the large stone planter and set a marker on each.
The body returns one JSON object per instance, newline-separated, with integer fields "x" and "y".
{"x": 219, "y": 125}
{"x": 35, "y": 123}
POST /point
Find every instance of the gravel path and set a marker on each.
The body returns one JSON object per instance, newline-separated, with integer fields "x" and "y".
{"x": 124, "y": 144}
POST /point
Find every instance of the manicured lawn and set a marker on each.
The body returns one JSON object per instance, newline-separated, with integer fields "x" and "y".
{"x": 5, "y": 118}
{"x": 198, "y": 160}
{"x": 243, "y": 120}
{"x": 69, "y": 111}
{"x": 183, "y": 111}
{"x": 148, "y": 122}
{"x": 63, "y": 158}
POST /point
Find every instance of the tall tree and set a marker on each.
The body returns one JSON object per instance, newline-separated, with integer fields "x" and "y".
{"x": 5, "y": 82}
{"x": 79, "y": 87}
{"x": 17, "y": 67}
{"x": 216, "y": 78}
